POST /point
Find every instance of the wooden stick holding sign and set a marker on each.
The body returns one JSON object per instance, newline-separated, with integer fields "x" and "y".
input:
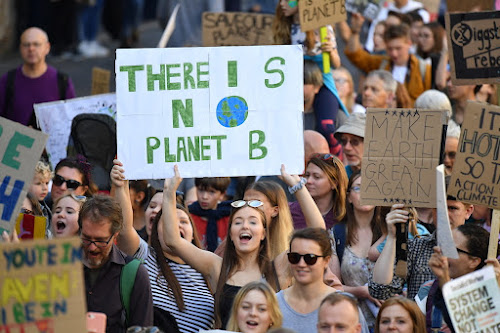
{"x": 494, "y": 231}
{"x": 323, "y": 31}
{"x": 169, "y": 29}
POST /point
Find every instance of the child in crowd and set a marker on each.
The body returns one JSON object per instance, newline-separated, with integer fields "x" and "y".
{"x": 39, "y": 188}
{"x": 210, "y": 215}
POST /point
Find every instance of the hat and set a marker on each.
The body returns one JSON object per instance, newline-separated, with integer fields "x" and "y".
{"x": 354, "y": 125}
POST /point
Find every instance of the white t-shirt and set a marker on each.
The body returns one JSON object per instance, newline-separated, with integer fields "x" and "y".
{"x": 399, "y": 73}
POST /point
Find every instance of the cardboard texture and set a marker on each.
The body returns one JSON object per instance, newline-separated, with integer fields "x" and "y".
{"x": 474, "y": 40}
{"x": 20, "y": 149}
{"x": 42, "y": 286}
{"x": 465, "y": 6}
{"x": 444, "y": 236}
{"x": 100, "y": 81}
{"x": 314, "y": 14}
{"x": 236, "y": 29}
{"x": 432, "y": 6}
{"x": 476, "y": 172}
{"x": 369, "y": 9}
{"x": 401, "y": 153}
{"x": 30, "y": 226}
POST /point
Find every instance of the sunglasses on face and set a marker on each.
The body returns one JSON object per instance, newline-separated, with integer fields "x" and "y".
{"x": 356, "y": 189}
{"x": 27, "y": 211}
{"x": 70, "y": 183}
{"x": 468, "y": 253}
{"x": 249, "y": 203}
{"x": 309, "y": 258}
{"x": 354, "y": 142}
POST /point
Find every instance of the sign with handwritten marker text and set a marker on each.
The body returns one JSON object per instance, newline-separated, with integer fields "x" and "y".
{"x": 474, "y": 40}
{"x": 42, "y": 287}
{"x": 220, "y": 111}
{"x": 476, "y": 171}
{"x": 473, "y": 301}
{"x": 314, "y": 14}
{"x": 20, "y": 149}
{"x": 401, "y": 153}
{"x": 368, "y": 8}
{"x": 236, "y": 29}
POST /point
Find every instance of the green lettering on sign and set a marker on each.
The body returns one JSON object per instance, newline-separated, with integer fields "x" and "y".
{"x": 232, "y": 73}
{"x": 168, "y": 157}
{"x": 181, "y": 149}
{"x": 261, "y": 137}
{"x": 219, "y": 138}
{"x": 272, "y": 71}
{"x": 199, "y": 73}
{"x": 156, "y": 77}
{"x": 173, "y": 85}
{"x": 131, "y": 75}
{"x": 18, "y": 139}
{"x": 186, "y": 112}
{"x": 150, "y": 147}
{"x": 194, "y": 148}
{"x": 203, "y": 148}
{"x": 188, "y": 78}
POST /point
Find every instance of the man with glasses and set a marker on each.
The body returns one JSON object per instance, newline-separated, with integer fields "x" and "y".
{"x": 100, "y": 221}
{"x": 351, "y": 136}
{"x": 33, "y": 82}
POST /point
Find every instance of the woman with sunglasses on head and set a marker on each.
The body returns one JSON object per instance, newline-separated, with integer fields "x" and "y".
{"x": 65, "y": 215}
{"x": 326, "y": 180}
{"x": 176, "y": 287}
{"x": 246, "y": 256}
{"x": 308, "y": 256}
{"x": 72, "y": 175}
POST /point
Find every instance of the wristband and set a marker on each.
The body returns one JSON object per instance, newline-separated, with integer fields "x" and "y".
{"x": 298, "y": 186}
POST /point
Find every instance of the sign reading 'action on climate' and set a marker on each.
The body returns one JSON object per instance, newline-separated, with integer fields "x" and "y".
{"x": 223, "y": 111}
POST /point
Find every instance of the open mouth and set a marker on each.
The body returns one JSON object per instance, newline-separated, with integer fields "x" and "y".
{"x": 245, "y": 237}
{"x": 60, "y": 226}
{"x": 252, "y": 323}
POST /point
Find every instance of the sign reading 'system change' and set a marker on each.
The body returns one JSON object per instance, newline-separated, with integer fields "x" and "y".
{"x": 222, "y": 111}
{"x": 474, "y": 40}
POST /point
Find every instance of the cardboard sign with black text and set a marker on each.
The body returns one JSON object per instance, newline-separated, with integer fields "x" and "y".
{"x": 476, "y": 171}
{"x": 237, "y": 29}
{"x": 474, "y": 47}
{"x": 314, "y": 14}
{"x": 402, "y": 148}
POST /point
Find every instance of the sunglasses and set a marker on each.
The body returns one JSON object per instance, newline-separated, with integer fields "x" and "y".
{"x": 309, "y": 258}
{"x": 324, "y": 157}
{"x": 356, "y": 189}
{"x": 354, "y": 142}
{"x": 70, "y": 183}
{"x": 87, "y": 242}
{"x": 468, "y": 253}
{"x": 249, "y": 203}
{"x": 27, "y": 211}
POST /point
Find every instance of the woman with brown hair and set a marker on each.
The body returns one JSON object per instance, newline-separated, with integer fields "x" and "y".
{"x": 401, "y": 314}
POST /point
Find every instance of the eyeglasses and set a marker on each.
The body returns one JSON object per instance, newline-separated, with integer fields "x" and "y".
{"x": 27, "y": 211}
{"x": 309, "y": 258}
{"x": 87, "y": 242}
{"x": 79, "y": 198}
{"x": 340, "y": 81}
{"x": 70, "y": 183}
{"x": 34, "y": 44}
{"x": 354, "y": 142}
{"x": 468, "y": 253}
{"x": 249, "y": 203}
{"x": 451, "y": 154}
{"x": 356, "y": 189}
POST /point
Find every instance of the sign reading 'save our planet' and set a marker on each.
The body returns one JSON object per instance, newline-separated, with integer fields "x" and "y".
{"x": 314, "y": 14}
{"x": 474, "y": 40}
{"x": 222, "y": 111}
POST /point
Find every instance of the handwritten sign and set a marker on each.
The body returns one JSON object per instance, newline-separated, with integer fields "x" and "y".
{"x": 237, "y": 29}
{"x": 222, "y": 111}
{"x": 368, "y": 8}
{"x": 100, "y": 81}
{"x": 473, "y": 301}
{"x": 20, "y": 149}
{"x": 31, "y": 226}
{"x": 401, "y": 153}
{"x": 55, "y": 119}
{"x": 476, "y": 172}
{"x": 42, "y": 286}
{"x": 475, "y": 47}
{"x": 314, "y": 14}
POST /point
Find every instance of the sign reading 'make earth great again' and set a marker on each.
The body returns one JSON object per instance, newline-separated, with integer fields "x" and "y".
{"x": 222, "y": 111}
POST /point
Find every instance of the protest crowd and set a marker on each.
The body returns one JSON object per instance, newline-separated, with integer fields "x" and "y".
{"x": 294, "y": 252}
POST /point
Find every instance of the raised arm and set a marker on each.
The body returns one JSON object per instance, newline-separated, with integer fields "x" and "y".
{"x": 128, "y": 240}
{"x": 353, "y": 43}
{"x": 205, "y": 262}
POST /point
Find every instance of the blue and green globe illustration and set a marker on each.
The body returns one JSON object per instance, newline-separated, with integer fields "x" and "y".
{"x": 232, "y": 111}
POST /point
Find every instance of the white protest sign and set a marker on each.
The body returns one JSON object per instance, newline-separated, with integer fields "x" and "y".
{"x": 473, "y": 301}
{"x": 444, "y": 236}
{"x": 55, "y": 119}
{"x": 219, "y": 111}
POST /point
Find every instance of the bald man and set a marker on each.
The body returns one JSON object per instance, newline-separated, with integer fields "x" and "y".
{"x": 314, "y": 143}
{"x": 32, "y": 82}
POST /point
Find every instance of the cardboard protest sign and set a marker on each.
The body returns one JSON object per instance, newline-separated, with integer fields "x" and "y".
{"x": 473, "y": 301}
{"x": 31, "y": 226}
{"x": 100, "y": 81}
{"x": 432, "y": 6}
{"x": 222, "y": 111}
{"x": 476, "y": 171}
{"x": 401, "y": 153}
{"x": 55, "y": 119}
{"x": 368, "y": 8}
{"x": 314, "y": 14}
{"x": 467, "y": 6}
{"x": 42, "y": 286}
{"x": 474, "y": 40}
{"x": 236, "y": 29}
{"x": 20, "y": 149}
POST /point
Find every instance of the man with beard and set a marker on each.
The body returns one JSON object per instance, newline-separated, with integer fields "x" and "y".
{"x": 100, "y": 221}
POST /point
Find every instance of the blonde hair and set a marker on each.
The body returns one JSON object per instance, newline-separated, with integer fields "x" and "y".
{"x": 43, "y": 169}
{"x": 349, "y": 99}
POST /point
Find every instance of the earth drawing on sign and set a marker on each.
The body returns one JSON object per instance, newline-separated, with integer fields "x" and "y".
{"x": 232, "y": 111}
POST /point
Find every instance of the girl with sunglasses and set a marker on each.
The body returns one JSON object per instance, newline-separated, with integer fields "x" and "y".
{"x": 309, "y": 253}
{"x": 176, "y": 287}
{"x": 246, "y": 256}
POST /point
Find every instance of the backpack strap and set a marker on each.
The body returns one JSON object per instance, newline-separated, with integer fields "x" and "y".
{"x": 340, "y": 232}
{"x": 127, "y": 280}
{"x": 9, "y": 91}
{"x": 62, "y": 84}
